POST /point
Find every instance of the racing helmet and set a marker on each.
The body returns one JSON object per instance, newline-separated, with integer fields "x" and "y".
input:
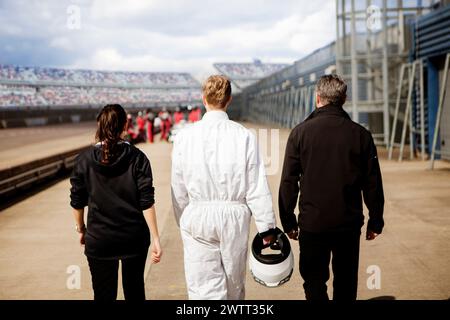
{"x": 274, "y": 269}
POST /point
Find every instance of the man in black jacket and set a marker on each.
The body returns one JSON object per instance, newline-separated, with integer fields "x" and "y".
{"x": 331, "y": 160}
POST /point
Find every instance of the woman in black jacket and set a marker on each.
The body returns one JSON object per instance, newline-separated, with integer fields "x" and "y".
{"x": 114, "y": 180}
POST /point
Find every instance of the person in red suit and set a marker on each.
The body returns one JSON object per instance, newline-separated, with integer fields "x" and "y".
{"x": 166, "y": 123}
{"x": 150, "y": 124}
{"x": 131, "y": 134}
{"x": 162, "y": 115}
{"x": 178, "y": 116}
{"x": 192, "y": 116}
{"x": 140, "y": 121}
{"x": 199, "y": 113}
{"x": 195, "y": 114}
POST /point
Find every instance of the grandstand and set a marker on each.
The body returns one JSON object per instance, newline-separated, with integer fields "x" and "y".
{"x": 287, "y": 96}
{"x": 54, "y": 87}
{"x": 243, "y": 75}
{"x": 55, "y": 76}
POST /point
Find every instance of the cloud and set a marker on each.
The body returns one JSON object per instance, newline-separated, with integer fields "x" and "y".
{"x": 309, "y": 34}
{"x": 110, "y": 59}
{"x": 162, "y": 35}
{"x": 113, "y": 9}
{"x": 61, "y": 43}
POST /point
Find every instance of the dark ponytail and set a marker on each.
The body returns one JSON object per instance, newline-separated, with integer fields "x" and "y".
{"x": 111, "y": 123}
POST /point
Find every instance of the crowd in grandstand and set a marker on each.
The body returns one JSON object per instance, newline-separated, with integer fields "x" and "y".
{"x": 37, "y": 86}
{"x": 249, "y": 70}
{"x": 75, "y": 96}
{"x": 34, "y": 86}
{"x": 38, "y": 74}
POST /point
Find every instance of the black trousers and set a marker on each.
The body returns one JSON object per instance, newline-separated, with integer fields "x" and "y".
{"x": 105, "y": 277}
{"x": 316, "y": 250}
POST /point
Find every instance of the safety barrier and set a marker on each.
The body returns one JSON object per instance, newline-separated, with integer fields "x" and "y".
{"x": 18, "y": 177}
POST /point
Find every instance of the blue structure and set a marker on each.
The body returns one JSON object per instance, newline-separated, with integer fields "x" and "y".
{"x": 431, "y": 43}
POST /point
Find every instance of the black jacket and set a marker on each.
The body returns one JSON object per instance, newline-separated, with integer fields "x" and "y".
{"x": 116, "y": 194}
{"x": 330, "y": 159}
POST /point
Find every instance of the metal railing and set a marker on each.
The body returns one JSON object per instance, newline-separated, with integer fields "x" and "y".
{"x": 17, "y": 177}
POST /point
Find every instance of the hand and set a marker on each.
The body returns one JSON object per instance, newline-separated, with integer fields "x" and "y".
{"x": 293, "y": 234}
{"x": 156, "y": 251}
{"x": 82, "y": 234}
{"x": 268, "y": 239}
{"x": 370, "y": 235}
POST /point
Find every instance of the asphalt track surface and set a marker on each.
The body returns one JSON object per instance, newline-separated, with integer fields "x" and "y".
{"x": 22, "y": 145}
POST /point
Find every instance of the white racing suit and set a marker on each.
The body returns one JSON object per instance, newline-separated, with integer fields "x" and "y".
{"x": 218, "y": 182}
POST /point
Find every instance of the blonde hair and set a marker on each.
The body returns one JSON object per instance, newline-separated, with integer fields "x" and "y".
{"x": 217, "y": 90}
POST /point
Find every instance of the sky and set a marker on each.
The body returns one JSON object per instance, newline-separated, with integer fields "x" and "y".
{"x": 161, "y": 35}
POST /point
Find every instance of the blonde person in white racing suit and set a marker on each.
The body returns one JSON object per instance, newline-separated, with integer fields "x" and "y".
{"x": 218, "y": 182}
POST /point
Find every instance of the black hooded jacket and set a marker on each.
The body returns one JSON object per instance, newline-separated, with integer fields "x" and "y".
{"x": 331, "y": 160}
{"x": 116, "y": 194}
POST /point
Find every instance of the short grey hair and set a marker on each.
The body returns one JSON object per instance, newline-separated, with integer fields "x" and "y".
{"x": 332, "y": 89}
